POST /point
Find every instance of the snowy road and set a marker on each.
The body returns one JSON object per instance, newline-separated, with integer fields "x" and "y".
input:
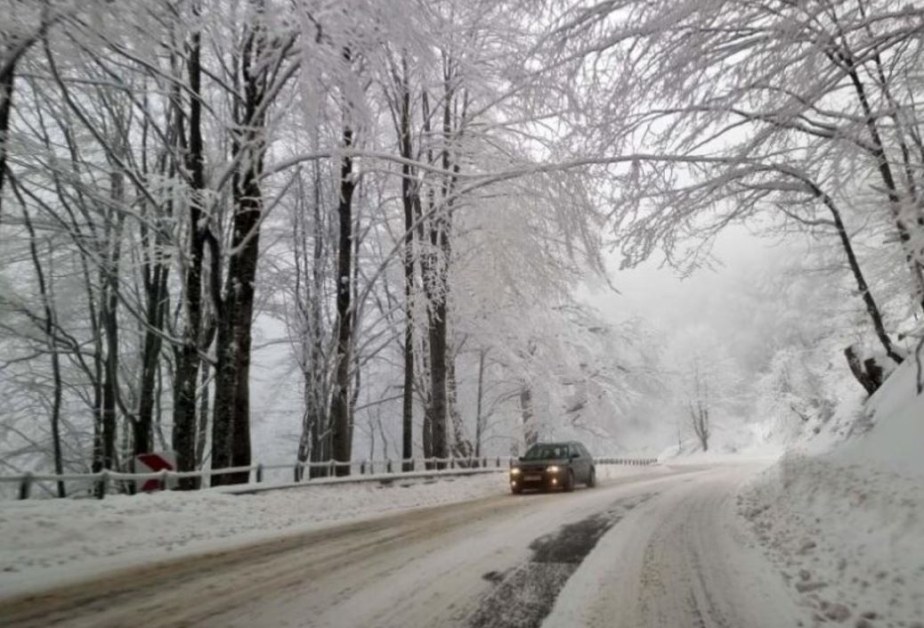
{"x": 656, "y": 550}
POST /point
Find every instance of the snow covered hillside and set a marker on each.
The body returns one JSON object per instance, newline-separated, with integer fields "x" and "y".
{"x": 846, "y": 527}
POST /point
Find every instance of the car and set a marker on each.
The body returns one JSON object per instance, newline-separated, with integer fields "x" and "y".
{"x": 550, "y": 466}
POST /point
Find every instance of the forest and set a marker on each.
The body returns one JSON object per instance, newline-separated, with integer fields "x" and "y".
{"x": 415, "y": 195}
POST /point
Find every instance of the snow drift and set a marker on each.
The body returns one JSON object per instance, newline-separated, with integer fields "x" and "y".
{"x": 846, "y": 526}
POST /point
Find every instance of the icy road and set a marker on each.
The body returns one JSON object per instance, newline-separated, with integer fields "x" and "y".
{"x": 661, "y": 550}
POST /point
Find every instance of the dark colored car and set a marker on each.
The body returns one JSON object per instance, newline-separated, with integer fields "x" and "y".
{"x": 548, "y": 466}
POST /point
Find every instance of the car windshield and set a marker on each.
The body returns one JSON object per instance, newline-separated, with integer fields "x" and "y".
{"x": 545, "y": 452}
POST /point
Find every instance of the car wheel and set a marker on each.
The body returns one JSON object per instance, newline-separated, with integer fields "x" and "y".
{"x": 516, "y": 491}
{"x": 569, "y": 483}
{"x": 592, "y": 478}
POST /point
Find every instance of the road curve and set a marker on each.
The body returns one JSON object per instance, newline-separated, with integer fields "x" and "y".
{"x": 660, "y": 560}
{"x": 683, "y": 559}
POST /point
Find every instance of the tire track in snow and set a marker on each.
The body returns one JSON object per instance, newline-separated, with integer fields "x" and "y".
{"x": 187, "y": 591}
{"x": 524, "y": 595}
{"x": 682, "y": 559}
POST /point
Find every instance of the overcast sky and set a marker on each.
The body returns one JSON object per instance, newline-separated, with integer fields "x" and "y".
{"x": 659, "y": 295}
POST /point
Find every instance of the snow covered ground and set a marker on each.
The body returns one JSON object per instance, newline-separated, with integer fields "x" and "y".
{"x": 49, "y": 542}
{"x": 846, "y": 527}
{"x": 682, "y": 558}
{"x": 496, "y": 562}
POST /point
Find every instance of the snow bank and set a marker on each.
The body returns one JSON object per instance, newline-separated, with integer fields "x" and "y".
{"x": 756, "y": 449}
{"x": 895, "y": 417}
{"x": 846, "y": 527}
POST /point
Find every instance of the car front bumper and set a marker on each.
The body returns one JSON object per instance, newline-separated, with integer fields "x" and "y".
{"x": 537, "y": 479}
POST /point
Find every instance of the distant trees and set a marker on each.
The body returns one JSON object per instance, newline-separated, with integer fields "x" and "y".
{"x": 699, "y": 408}
{"x": 706, "y": 386}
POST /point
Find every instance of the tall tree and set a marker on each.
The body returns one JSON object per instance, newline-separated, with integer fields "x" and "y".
{"x": 191, "y": 142}
{"x": 341, "y": 415}
{"x": 231, "y": 445}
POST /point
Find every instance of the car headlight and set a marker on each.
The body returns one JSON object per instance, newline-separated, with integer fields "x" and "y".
{"x": 553, "y": 469}
{"x": 515, "y": 471}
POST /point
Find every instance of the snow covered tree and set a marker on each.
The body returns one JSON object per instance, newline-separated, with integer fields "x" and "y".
{"x": 728, "y": 111}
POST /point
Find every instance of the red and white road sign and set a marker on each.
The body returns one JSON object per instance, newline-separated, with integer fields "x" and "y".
{"x": 154, "y": 462}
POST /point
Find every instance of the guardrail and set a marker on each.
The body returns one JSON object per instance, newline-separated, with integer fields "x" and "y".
{"x": 100, "y": 482}
{"x": 635, "y": 462}
{"x": 326, "y": 472}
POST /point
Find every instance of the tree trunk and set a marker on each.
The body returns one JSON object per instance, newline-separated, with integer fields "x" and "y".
{"x": 305, "y": 443}
{"x": 427, "y": 434}
{"x": 700, "y": 417}
{"x": 530, "y": 430}
{"x": 340, "y": 412}
{"x": 423, "y": 384}
{"x": 868, "y": 373}
{"x": 461, "y": 446}
{"x": 699, "y": 408}
{"x": 479, "y": 398}
{"x": 355, "y": 323}
{"x": 231, "y": 419}
{"x": 225, "y": 380}
{"x": 156, "y": 295}
{"x": 316, "y": 425}
{"x": 202, "y": 429}
{"x": 318, "y": 397}
{"x": 407, "y": 397}
{"x": 438, "y": 346}
{"x": 187, "y": 357}
{"x": 438, "y": 272}
{"x": 110, "y": 386}
{"x": 110, "y": 326}
{"x": 919, "y": 363}
{"x": 871, "y": 307}
{"x": 50, "y": 330}
{"x": 320, "y": 441}
{"x": 6, "y": 107}
{"x": 435, "y": 269}
{"x": 408, "y": 191}
{"x": 309, "y": 289}
{"x": 438, "y": 379}
{"x": 96, "y": 465}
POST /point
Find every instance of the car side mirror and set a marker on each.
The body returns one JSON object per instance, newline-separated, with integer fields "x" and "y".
{"x": 574, "y": 455}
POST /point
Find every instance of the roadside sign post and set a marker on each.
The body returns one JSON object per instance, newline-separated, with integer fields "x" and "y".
{"x": 155, "y": 462}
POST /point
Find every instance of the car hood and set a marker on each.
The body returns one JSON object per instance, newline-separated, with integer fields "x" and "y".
{"x": 540, "y": 464}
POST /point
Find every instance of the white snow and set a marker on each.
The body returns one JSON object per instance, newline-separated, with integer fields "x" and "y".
{"x": 766, "y": 453}
{"x": 846, "y": 527}
{"x": 895, "y": 441}
{"x": 44, "y": 542}
{"x": 48, "y": 542}
{"x": 682, "y": 558}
